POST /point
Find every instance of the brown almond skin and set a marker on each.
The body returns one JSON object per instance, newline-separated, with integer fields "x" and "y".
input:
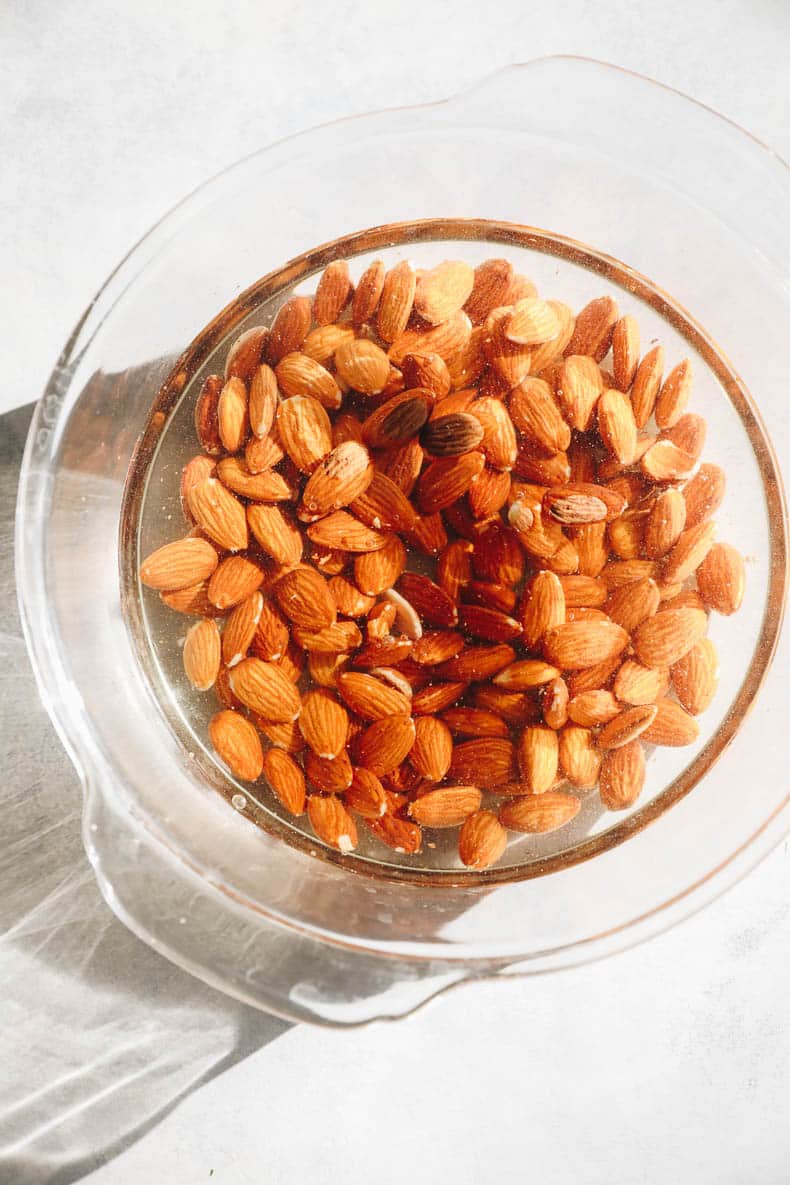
{"x": 721, "y": 579}
{"x": 626, "y": 726}
{"x": 178, "y": 565}
{"x": 580, "y": 644}
{"x": 332, "y": 823}
{"x": 667, "y": 636}
{"x": 447, "y": 806}
{"x": 672, "y": 726}
{"x": 482, "y": 840}
{"x": 622, "y": 776}
{"x": 385, "y": 743}
{"x": 539, "y": 813}
{"x": 286, "y": 780}
{"x": 304, "y": 598}
{"x": 695, "y": 677}
{"x": 237, "y": 742}
{"x": 580, "y": 760}
{"x": 703, "y": 494}
{"x": 489, "y": 760}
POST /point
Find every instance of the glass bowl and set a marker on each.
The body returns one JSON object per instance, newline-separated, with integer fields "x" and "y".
{"x": 595, "y": 156}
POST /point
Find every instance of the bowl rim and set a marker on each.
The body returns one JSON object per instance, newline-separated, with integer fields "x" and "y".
{"x": 610, "y": 269}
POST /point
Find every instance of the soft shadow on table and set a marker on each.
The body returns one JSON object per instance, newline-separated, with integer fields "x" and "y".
{"x": 100, "y": 1036}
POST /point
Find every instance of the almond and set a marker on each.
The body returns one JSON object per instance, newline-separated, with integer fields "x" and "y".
{"x": 323, "y": 723}
{"x": 322, "y": 344}
{"x": 366, "y": 796}
{"x": 622, "y": 776}
{"x": 534, "y": 412}
{"x": 594, "y": 677}
{"x": 305, "y": 431}
{"x": 594, "y": 328}
{"x": 525, "y": 674}
{"x": 332, "y": 775}
{"x": 664, "y": 461}
{"x": 663, "y": 639}
{"x": 192, "y": 600}
{"x": 338, "y": 638}
{"x": 396, "y": 301}
{"x": 665, "y": 523}
{"x": 202, "y": 654}
{"x": 532, "y": 322}
{"x": 430, "y": 601}
{"x": 434, "y": 698}
{"x": 245, "y": 353}
{"x": 488, "y": 595}
{"x": 627, "y": 726}
{"x": 342, "y": 531}
{"x": 475, "y": 722}
{"x": 671, "y": 725}
{"x": 263, "y": 687}
{"x": 363, "y": 365}
{"x": 498, "y": 440}
{"x": 428, "y": 535}
{"x": 263, "y": 453}
{"x": 466, "y": 364}
{"x": 636, "y": 684}
{"x": 428, "y": 371}
{"x": 574, "y": 508}
{"x": 509, "y": 361}
{"x": 538, "y": 755}
{"x": 588, "y": 540}
{"x": 579, "y": 386}
{"x": 260, "y": 487}
{"x": 489, "y": 760}
{"x": 219, "y": 514}
{"x": 554, "y": 703}
{"x": 579, "y": 759}
{"x": 383, "y": 505}
{"x": 179, "y": 565}
{"x": 452, "y": 435}
{"x": 276, "y": 533}
{"x": 443, "y": 290}
{"x": 454, "y": 567}
{"x": 617, "y": 573}
{"x": 674, "y": 395}
{"x": 447, "y": 806}
{"x": 646, "y": 385}
{"x": 286, "y": 780}
{"x": 703, "y": 495}
{"x": 721, "y": 579}
{"x": 385, "y": 743}
{"x": 580, "y": 644}
{"x": 617, "y": 426}
{"x": 298, "y": 374}
{"x": 447, "y": 479}
{"x": 237, "y": 743}
{"x": 398, "y": 419}
{"x": 539, "y": 813}
{"x": 402, "y": 464}
{"x": 206, "y": 415}
{"x": 332, "y": 293}
{"x": 349, "y": 601}
{"x": 194, "y": 472}
{"x": 285, "y": 737}
{"x": 688, "y": 434}
{"x": 591, "y": 708}
{"x": 512, "y": 706}
{"x": 332, "y": 823}
{"x": 489, "y": 624}
{"x": 399, "y": 834}
{"x": 542, "y": 607}
{"x": 631, "y": 604}
{"x": 378, "y": 570}
{"x": 289, "y": 329}
{"x": 432, "y": 751}
{"x": 271, "y": 637}
{"x": 346, "y": 427}
{"x": 695, "y": 677}
{"x": 232, "y": 419}
{"x": 489, "y": 493}
{"x": 475, "y": 663}
{"x": 240, "y": 629}
{"x": 688, "y": 553}
{"x": 445, "y": 339}
{"x": 550, "y": 471}
{"x": 368, "y": 293}
{"x": 482, "y": 840}
{"x": 625, "y": 351}
{"x": 492, "y": 280}
{"x": 341, "y": 476}
{"x": 235, "y": 579}
{"x": 325, "y": 667}
{"x": 583, "y": 591}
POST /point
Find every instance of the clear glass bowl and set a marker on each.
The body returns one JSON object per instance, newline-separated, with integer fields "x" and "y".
{"x": 594, "y": 155}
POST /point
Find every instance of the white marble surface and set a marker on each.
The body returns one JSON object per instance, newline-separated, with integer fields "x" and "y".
{"x": 668, "y": 1063}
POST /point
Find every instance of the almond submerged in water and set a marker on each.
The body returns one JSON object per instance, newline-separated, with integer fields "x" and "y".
{"x": 451, "y": 546}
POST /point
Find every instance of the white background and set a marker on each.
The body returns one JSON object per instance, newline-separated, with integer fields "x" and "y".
{"x": 665, "y": 1064}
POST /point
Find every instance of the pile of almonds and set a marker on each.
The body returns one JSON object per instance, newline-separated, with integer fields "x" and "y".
{"x": 462, "y": 545}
